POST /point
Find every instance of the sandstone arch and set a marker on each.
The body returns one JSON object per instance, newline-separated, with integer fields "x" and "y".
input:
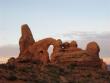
{"x": 35, "y": 51}
{"x": 62, "y": 52}
{"x": 50, "y": 51}
{"x": 39, "y": 50}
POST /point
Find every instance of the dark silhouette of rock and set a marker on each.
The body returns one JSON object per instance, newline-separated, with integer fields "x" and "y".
{"x": 11, "y": 60}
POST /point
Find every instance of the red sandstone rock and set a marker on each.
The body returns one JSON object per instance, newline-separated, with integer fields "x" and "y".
{"x": 26, "y": 39}
{"x": 65, "y": 45}
{"x": 62, "y": 52}
{"x": 39, "y": 50}
{"x": 57, "y": 48}
{"x": 103, "y": 65}
{"x": 73, "y": 44}
{"x": 93, "y": 48}
{"x": 57, "y": 45}
{"x": 71, "y": 64}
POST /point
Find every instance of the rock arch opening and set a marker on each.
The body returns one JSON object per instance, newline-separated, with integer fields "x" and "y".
{"x": 50, "y": 51}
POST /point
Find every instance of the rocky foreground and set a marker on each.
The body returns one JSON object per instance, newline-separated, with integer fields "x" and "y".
{"x": 68, "y": 63}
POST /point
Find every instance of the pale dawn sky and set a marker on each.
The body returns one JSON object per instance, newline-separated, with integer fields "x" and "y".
{"x": 51, "y": 17}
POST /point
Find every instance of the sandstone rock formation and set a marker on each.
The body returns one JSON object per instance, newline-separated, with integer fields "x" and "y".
{"x": 68, "y": 62}
{"x": 26, "y": 39}
{"x": 39, "y": 50}
{"x": 73, "y": 44}
{"x": 63, "y": 53}
{"x": 93, "y": 48}
{"x": 34, "y": 51}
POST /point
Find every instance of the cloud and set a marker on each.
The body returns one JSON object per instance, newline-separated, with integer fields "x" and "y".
{"x": 83, "y": 38}
{"x": 4, "y": 59}
{"x": 107, "y": 60}
{"x": 9, "y": 50}
{"x": 86, "y": 35}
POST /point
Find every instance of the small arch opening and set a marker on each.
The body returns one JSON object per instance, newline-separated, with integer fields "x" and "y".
{"x": 50, "y": 51}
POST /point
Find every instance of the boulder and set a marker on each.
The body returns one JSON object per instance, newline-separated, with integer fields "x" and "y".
{"x": 93, "y": 48}
{"x": 11, "y": 60}
{"x": 73, "y": 44}
{"x": 65, "y": 45}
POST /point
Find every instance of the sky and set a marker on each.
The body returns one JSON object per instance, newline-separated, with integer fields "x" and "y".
{"x": 53, "y": 18}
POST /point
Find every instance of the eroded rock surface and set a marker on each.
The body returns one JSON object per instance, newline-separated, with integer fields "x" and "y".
{"x": 63, "y": 53}
{"x": 67, "y": 64}
{"x": 93, "y": 48}
{"x": 26, "y": 39}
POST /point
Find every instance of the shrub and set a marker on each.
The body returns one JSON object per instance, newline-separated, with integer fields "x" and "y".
{"x": 11, "y": 77}
{"x": 71, "y": 66}
{"x": 41, "y": 81}
{"x": 11, "y": 66}
{"x": 25, "y": 69}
